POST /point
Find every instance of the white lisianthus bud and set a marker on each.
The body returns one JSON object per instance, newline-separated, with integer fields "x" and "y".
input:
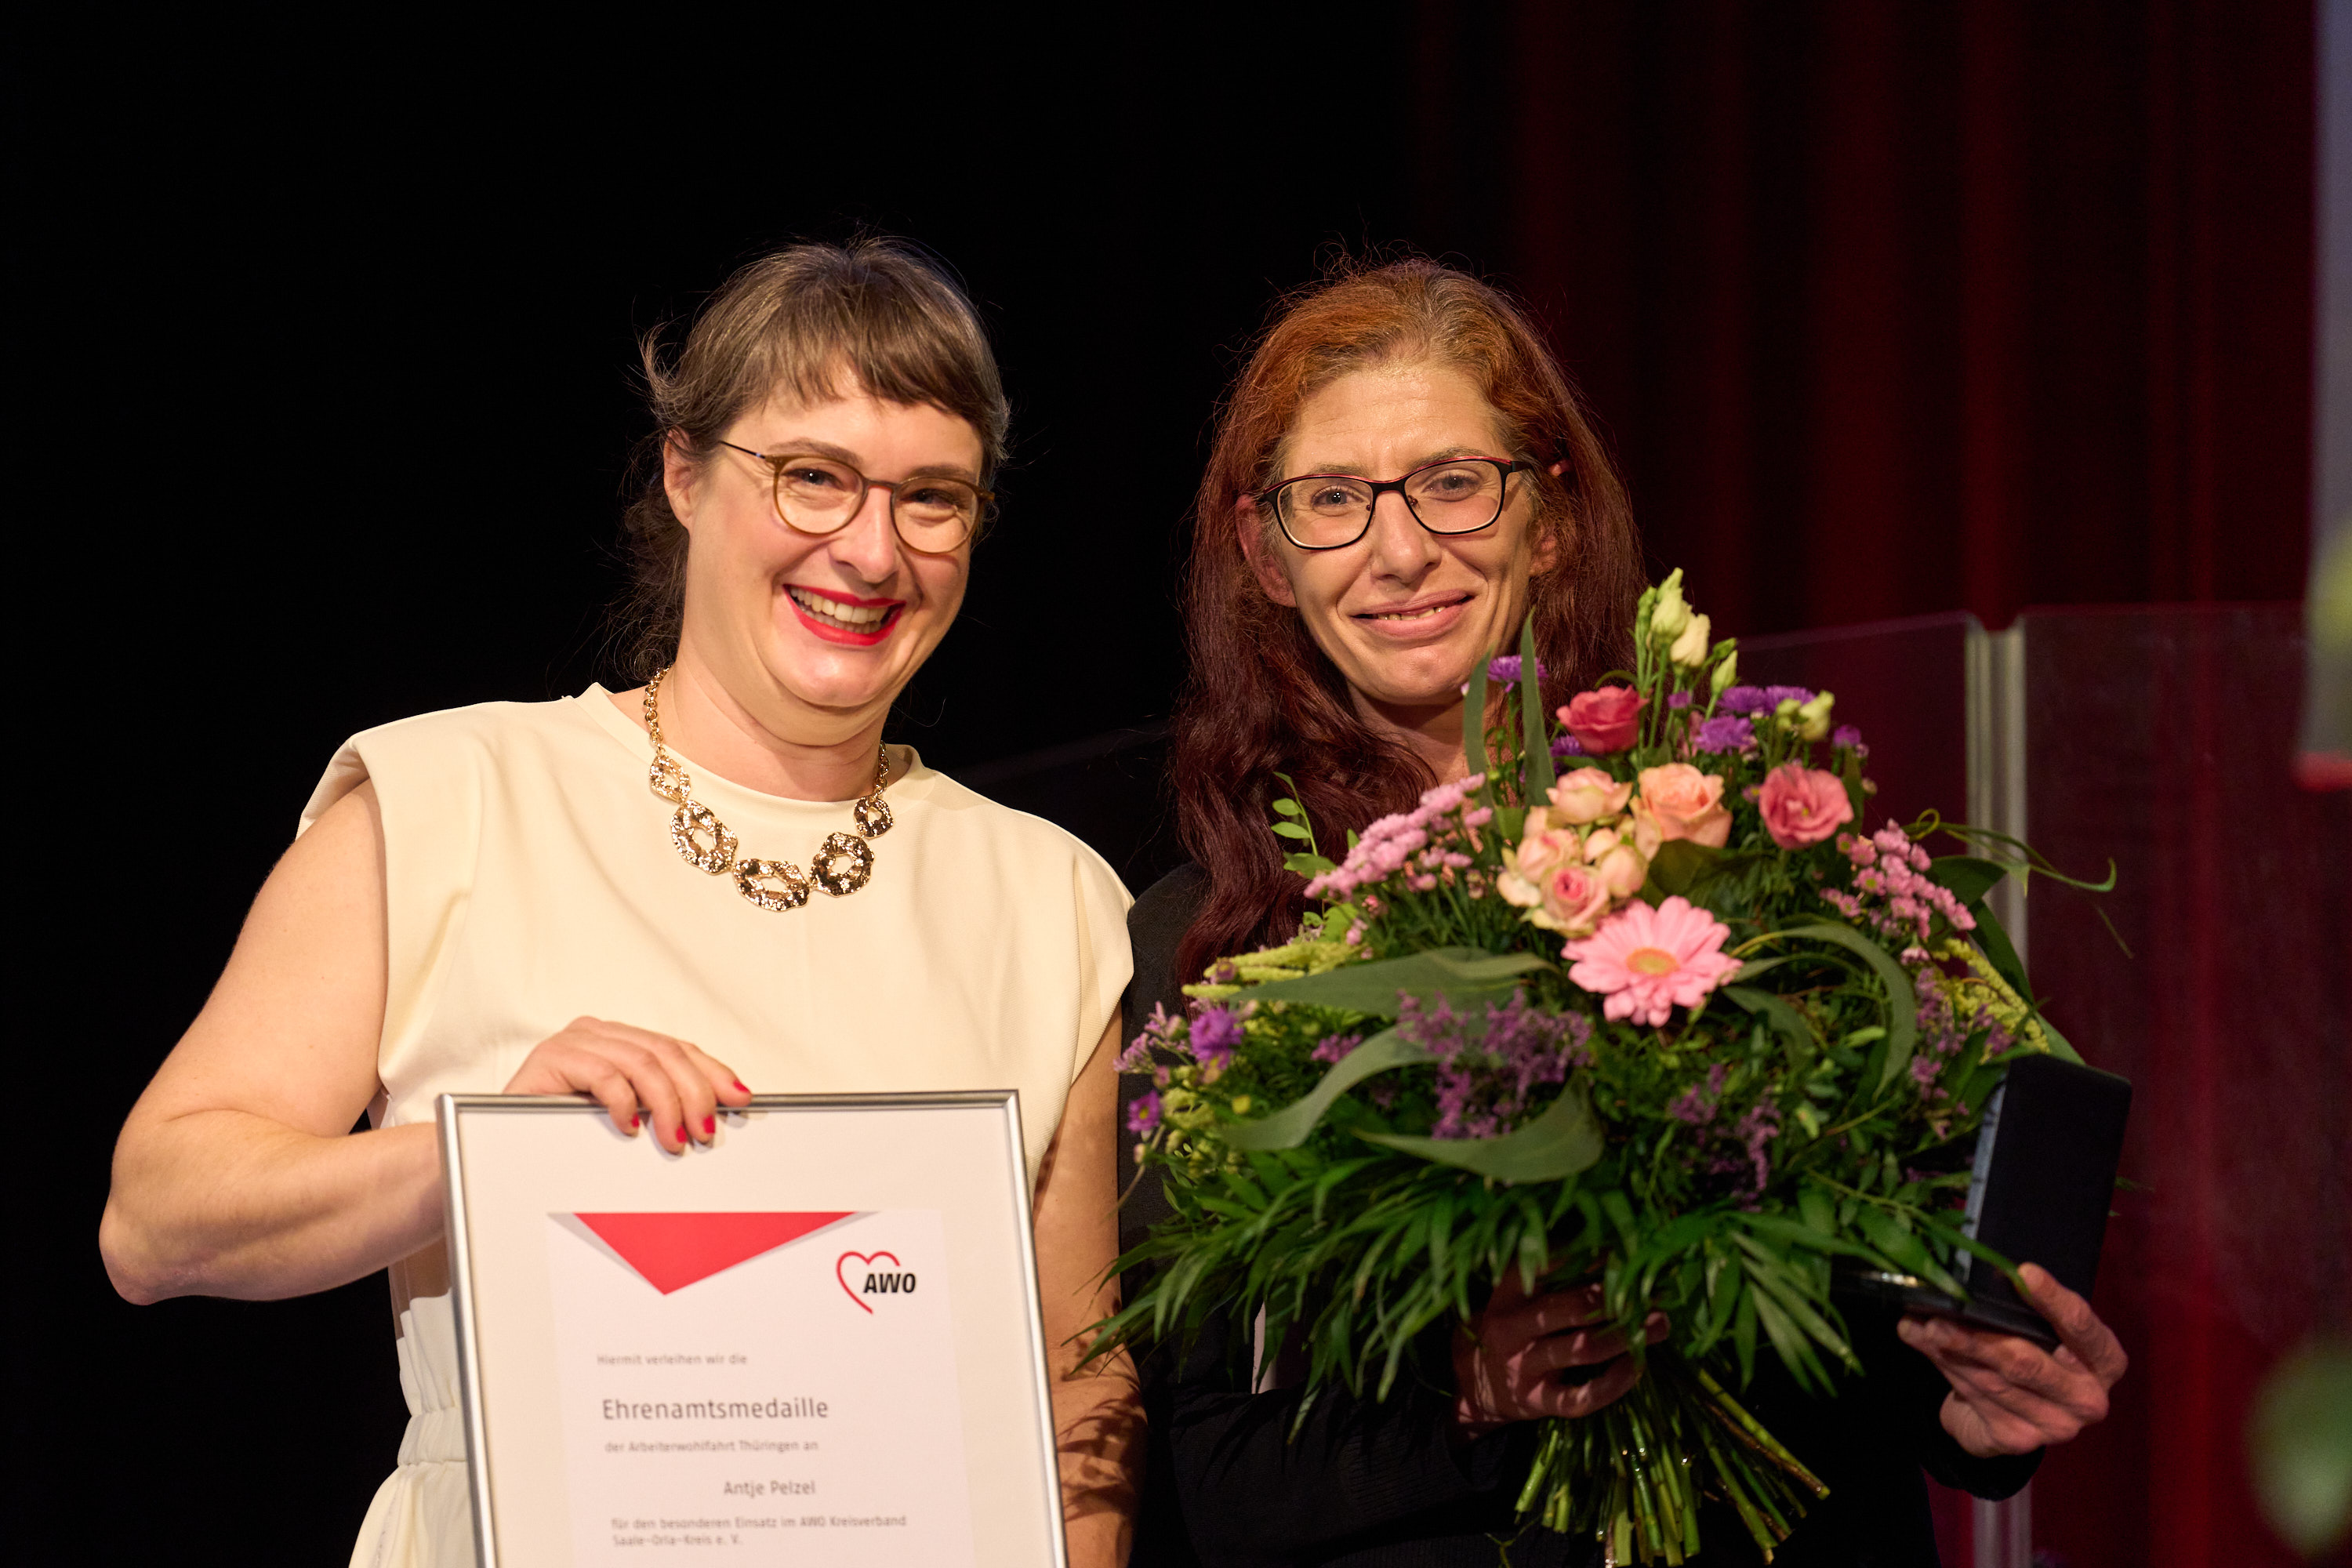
{"x": 1725, "y": 673}
{"x": 1690, "y": 648}
{"x": 1813, "y": 717}
{"x": 1672, "y": 613}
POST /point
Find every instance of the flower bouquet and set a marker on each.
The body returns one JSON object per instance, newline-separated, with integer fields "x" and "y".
{"x": 1669, "y": 1021}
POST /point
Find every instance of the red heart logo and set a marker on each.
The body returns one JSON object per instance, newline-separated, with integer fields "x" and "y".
{"x": 862, "y": 1257}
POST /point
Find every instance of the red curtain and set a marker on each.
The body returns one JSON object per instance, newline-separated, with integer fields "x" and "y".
{"x": 1893, "y": 308}
{"x": 1899, "y": 309}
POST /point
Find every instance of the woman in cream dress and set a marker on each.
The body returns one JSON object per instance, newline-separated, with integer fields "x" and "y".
{"x": 493, "y": 898}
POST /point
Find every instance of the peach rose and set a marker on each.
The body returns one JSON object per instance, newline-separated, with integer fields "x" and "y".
{"x": 1531, "y": 861}
{"x": 1608, "y": 720}
{"x": 1588, "y": 795}
{"x": 1618, "y": 864}
{"x": 1678, "y": 801}
{"x": 1802, "y": 806}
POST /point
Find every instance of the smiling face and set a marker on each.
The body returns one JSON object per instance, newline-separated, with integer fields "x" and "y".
{"x": 1403, "y": 613}
{"x": 811, "y": 636}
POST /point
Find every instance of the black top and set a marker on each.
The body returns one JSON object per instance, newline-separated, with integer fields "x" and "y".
{"x": 1389, "y": 1484}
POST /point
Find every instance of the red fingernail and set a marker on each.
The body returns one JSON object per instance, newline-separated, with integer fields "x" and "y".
{"x": 711, "y": 1126}
{"x": 635, "y": 1122}
{"x": 742, "y": 1087}
{"x": 681, "y": 1133}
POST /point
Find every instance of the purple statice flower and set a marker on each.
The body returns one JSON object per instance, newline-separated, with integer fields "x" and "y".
{"x": 1776, "y": 695}
{"x": 1143, "y": 1113}
{"x": 1727, "y": 733}
{"x": 1488, "y": 1069}
{"x": 1436, "y": 1031}
{"x": 1755, "y": 1130}
{"x": 1505, "y": 667}
{"x": 1567, "y": 746}
{"x": 1214, "y": 1034}
{"x": 1678, "y": 700}
{"x": 1332, "y": 1048}
{"x": 1742, "y": 699}
{"x": 1156, "y": 1031}
{"x": 1847, "y": 736}
{"x": 1698, "y": 1104}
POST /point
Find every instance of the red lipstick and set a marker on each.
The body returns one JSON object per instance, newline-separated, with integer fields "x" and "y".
{"x": 869, "y": 633}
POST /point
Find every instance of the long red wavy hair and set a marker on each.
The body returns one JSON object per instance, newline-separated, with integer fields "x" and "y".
{"x": 1262, "y": 699}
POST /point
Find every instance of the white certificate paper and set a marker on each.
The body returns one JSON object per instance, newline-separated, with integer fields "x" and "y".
{"x": 752, "y": 1386}
{"x": 815, "y": 1341}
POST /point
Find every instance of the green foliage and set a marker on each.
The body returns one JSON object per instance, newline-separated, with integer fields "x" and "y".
{"x": 1462, "y": 975}
{"x": 1535, "y": 741}
{"x": 1553, "y": 1147}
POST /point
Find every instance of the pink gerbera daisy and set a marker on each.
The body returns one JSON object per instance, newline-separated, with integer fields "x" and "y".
{"x": 1647, "y": 962}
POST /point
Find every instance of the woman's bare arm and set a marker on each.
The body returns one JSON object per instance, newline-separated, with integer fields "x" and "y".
{"x": 1098, "y": 1411}
{"x": 237, "y": 1174}
{"x": 234, "y": 1175}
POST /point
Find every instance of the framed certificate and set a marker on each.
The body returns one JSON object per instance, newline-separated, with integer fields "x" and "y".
{"x": 815, "y": 1341}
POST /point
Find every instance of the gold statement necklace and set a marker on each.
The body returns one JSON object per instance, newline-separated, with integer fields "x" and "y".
{"x": 842, "y": 865}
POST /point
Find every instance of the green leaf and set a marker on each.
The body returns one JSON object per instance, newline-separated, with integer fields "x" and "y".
{"x": 1902, "y": 1007}
{"x": 1306, "y": 864}
{"x": 1288, "y": 808}
{"x": 1474, "y": 716}
{"x": 1994, "y": 941}
{"x": 1786, "y": 1021}
{"x": 1462, "y": 975}
{"x": 1804, "y": 1367}
{"x": 1806, "y": 1316}
{"x": 1850, "y": 775}
{"x": 1292, "y": 831}
{"x": 1967, "y": 877}
{"x": 1535, "y": 747}
{"x": 1815, "y": 1208}
{"x": 2059, "y": 1047}
{"x": 1566, "y": 1138}
{"x": 1289, "y": 1127}
{"x": 1679, "y": 867}
{"x": 1892, "y": 1237}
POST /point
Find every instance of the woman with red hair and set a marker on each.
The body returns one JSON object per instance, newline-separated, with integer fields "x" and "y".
{"x": 1401, "y": 475}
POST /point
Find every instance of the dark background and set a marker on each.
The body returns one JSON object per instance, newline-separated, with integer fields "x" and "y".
{"x": 325, "y": 393}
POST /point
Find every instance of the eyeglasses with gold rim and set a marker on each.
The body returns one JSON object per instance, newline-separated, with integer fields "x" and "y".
{"x": 819, "y": 495}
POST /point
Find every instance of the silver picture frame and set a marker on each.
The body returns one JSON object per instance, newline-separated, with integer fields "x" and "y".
{"x": 506, "y": 1157}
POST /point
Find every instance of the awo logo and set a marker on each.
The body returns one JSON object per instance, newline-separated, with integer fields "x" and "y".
{"x": 866, "y": 1275}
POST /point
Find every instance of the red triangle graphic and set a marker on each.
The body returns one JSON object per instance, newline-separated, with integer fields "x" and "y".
{"x": 674, "y": 1250}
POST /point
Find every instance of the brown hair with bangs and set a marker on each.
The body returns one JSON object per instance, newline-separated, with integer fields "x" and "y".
{"x": 809, "y": 322}
{"x": 1261, "y": 698}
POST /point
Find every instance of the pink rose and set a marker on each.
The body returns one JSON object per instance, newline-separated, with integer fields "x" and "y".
{"x": 1574, "y": 899}
{"x": 1546, "y": 875}
{"x": 1604, "y": 721}
{"x": 1802, "y": 806}
{"x": 1678, "y": 801}
{"x": 1588, "y": 795}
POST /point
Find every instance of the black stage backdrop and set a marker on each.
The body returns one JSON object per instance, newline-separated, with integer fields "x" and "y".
{"x": 325, "y": 404}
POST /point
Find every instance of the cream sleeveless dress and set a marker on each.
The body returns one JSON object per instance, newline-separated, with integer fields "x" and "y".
{"x": 530, "y": 880}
